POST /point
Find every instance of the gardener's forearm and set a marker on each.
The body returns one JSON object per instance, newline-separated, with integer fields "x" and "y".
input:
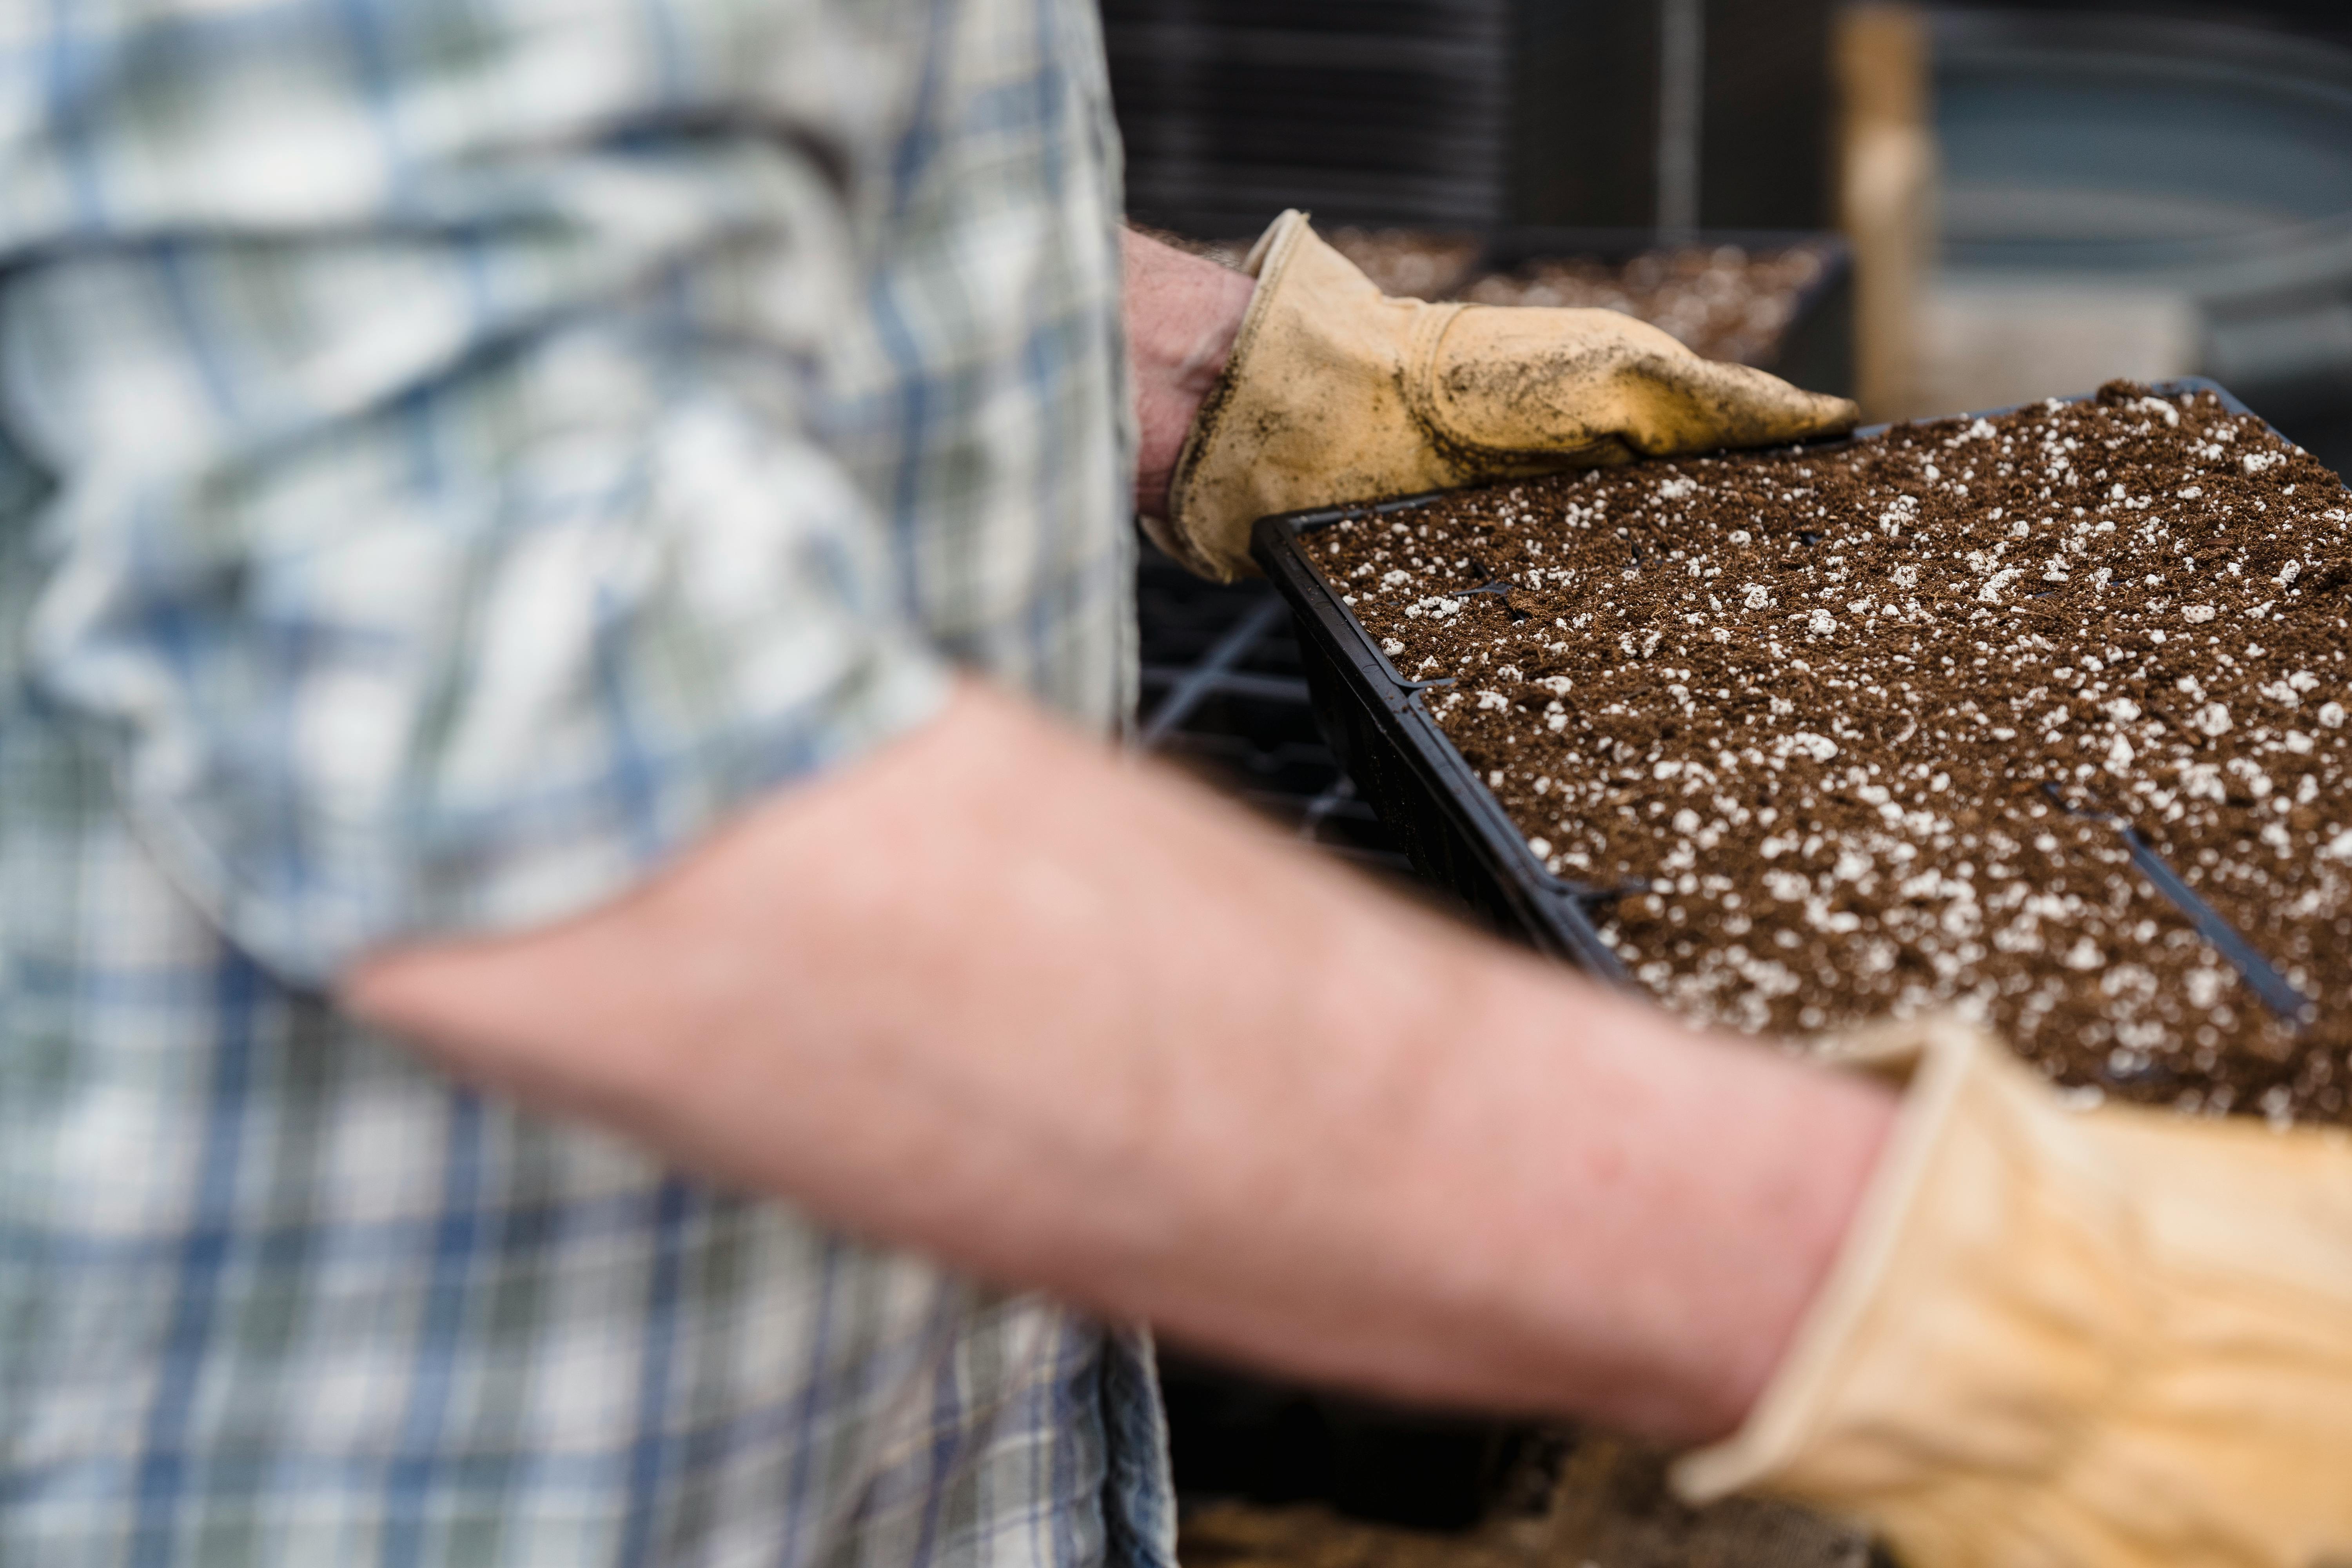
{"x": 1181, "y": 315}
{"x": 1069, "y": 1022}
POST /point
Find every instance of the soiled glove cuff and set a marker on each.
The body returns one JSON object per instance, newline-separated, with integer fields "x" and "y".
{"x": 1984, "y": 1308}
{"x": 1310, "y": 408}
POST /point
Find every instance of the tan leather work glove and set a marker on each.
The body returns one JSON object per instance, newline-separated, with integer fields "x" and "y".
{"x": 1336, "y": 392}
{"x": 2116, "y": 1337}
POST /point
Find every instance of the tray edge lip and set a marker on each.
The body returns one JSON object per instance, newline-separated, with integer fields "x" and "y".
{"x": 1312, "y": 595}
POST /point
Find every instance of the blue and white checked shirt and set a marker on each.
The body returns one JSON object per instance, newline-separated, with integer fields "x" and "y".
{"x": 460, "y": 449}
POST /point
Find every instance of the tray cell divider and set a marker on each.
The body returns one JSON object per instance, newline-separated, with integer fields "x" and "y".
{"x": 2261, "y": 975}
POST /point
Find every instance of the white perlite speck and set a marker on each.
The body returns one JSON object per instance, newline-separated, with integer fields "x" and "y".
{"x": 2195, "y": 614}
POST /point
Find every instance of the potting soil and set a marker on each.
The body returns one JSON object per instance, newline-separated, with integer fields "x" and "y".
{"x": 1856, "y": 731}
{"x": 1725, "y": 301}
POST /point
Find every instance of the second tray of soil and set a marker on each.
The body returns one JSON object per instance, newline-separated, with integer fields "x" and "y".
{"x": 1879, "y": 728}
{"x": 1781, "y": 302}
{"x": 1723, "y": 301}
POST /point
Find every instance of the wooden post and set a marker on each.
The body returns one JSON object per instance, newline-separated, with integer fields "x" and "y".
{"x": 1887, "y": 182}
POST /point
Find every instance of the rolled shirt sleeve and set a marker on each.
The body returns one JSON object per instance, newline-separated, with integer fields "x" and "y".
{"x": 388, "y": 685}
{"x": 448, "y": 570}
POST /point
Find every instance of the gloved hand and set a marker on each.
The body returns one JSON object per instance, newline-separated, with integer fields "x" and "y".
{"x": 2105, "y": 1338}
{"x": 1335, "y": 392}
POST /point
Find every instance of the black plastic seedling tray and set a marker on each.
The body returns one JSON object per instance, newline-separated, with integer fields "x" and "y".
{"x": 1433, "y": 802}
{"x": 1458, "y": 835}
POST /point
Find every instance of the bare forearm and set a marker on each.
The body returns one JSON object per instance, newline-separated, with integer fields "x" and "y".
{"x": 1182, "y": 313}
{"x": 1069, "y": 1023}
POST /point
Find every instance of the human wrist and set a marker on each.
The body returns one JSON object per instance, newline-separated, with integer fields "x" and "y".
{"x": 1982, "y": 1297}
{"x": 1690, "y": 1194}
{"x": 1183, "y": 314}
{"x": 1786, "y": 1155}
{"x": 1830, "y": 1160}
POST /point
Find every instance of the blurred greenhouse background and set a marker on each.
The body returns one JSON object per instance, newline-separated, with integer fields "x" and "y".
{"x": 2039, "y": 197}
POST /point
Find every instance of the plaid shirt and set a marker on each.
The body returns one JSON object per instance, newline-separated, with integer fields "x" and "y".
{"x": 459, "y": 448}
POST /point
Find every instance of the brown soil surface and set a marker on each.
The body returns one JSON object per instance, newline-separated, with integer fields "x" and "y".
{"x": 1834, "y": 715}
{"x": 1409, "y": 263}
{"x": 1608, "y": 1506}
{"x": 1723, "y": 301}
